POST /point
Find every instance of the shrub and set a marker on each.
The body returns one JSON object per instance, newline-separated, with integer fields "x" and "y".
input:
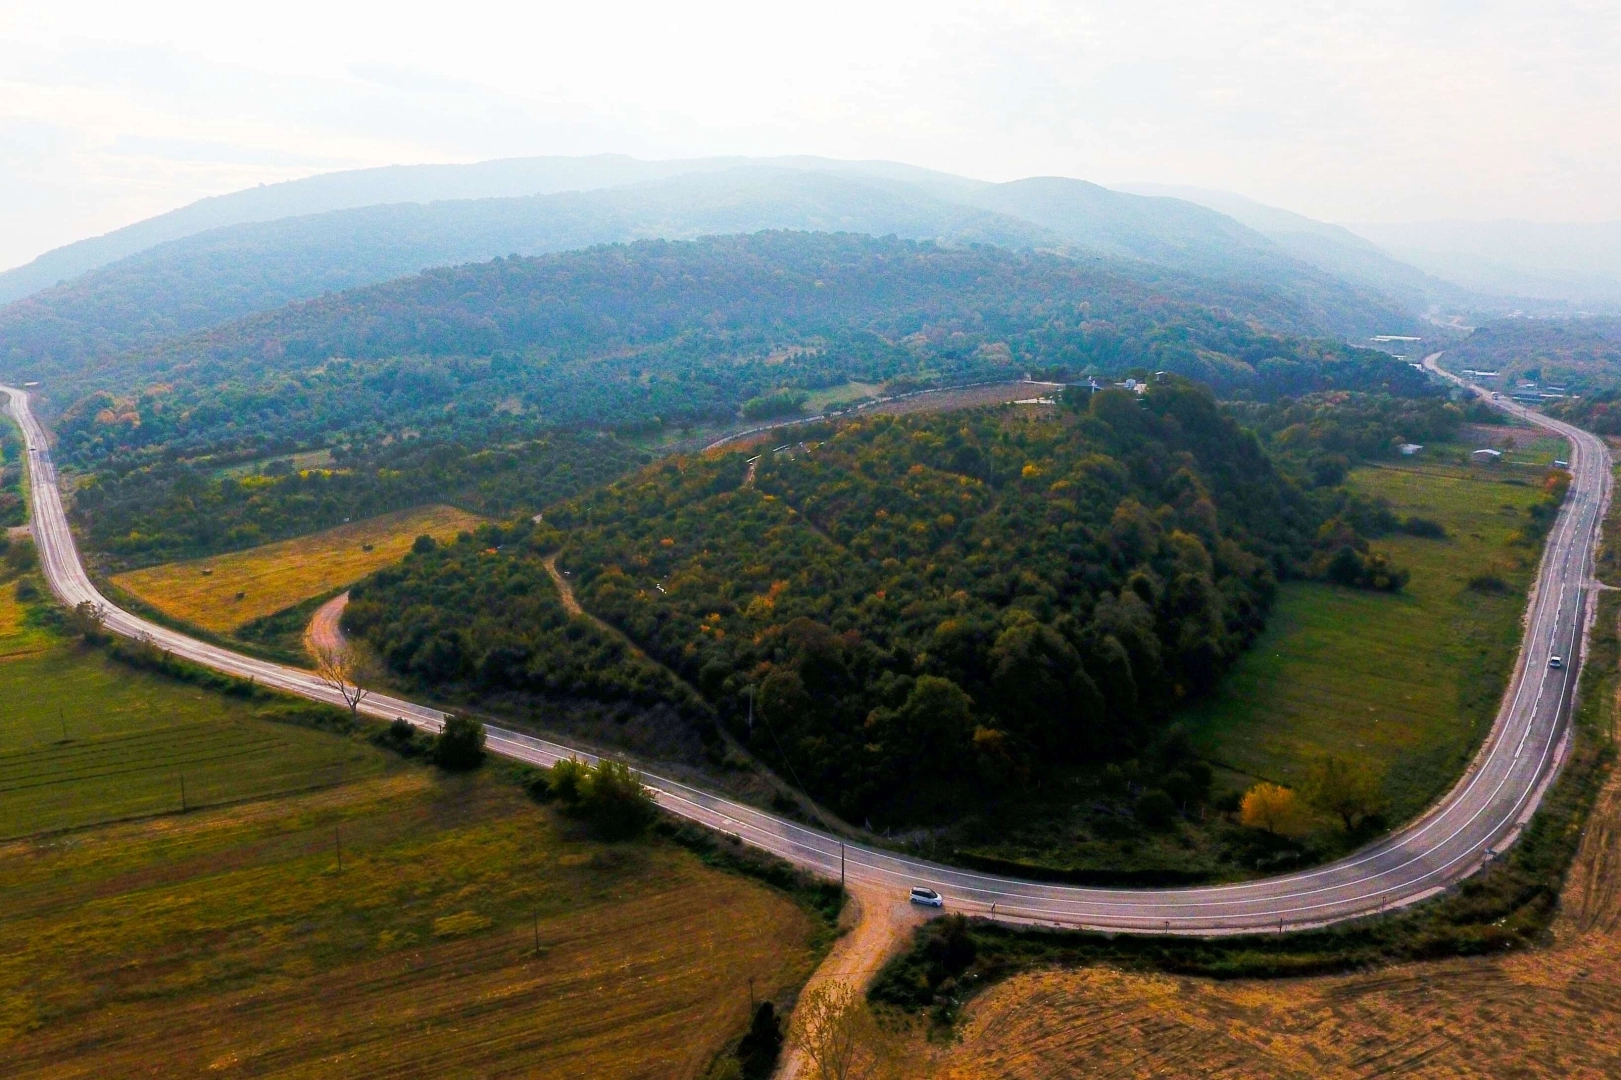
{"x": 1490, "y": 584}
{"x": 1427, "y": 528}
{"x": 27, "y": 590}
{"x": 460, "y": 744}
{"x": 1269, "y": 806}
{"x": 21, "y": 556}
{"x": 1155, "y": 809}
{"x": 608, "y": 795}
{"x": 401, "y": 737}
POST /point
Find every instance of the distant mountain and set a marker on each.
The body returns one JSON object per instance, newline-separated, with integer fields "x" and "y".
{"x": 507, "y": 178}
{"x": 1336, "y": 250}
{"x": 1578, "y": 264}
{"x": 1179, "y": 233}
{"x": 221, "y": 274}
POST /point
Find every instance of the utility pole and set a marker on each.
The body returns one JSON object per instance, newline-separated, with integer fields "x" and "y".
{"x": 337, "y": 840}
{"x": 64, "y": 721}
{"x": 182, "y": 793}
{"x": 536, "y": 914}
{"x": 751, "y": 710}
{"x": 841, "y": 865}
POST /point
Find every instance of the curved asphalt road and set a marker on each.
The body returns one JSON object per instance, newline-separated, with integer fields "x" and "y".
{"x": 1481, "y": 815}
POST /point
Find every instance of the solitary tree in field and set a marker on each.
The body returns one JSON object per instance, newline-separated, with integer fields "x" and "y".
{"x": 1349, "y": 790}
{"x": 837, "y": 1034}
{"x": 339, "y": 668}
{"x": 1270, "y": 807}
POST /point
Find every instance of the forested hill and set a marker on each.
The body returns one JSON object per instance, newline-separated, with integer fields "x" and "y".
{"x": 204, "y": 280}
{"x": 929, "y": 610}
{"x": 660, "y": 332}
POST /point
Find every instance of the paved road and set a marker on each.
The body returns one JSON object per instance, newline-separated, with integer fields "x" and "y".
{"x": 1482, "y": 814}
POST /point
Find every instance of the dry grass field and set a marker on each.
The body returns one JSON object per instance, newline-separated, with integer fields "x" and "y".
{"x": 230, "y": 943}
{"x": 1551, "y": 1012}
{"x": 275, "y": 576}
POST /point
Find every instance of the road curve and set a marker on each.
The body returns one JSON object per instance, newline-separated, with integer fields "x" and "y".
{"x": 1480, "y": 816}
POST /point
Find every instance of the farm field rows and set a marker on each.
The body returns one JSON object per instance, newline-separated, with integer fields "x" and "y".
{"x": 1407, "y": 682}
{"x": 84, "y": 739}
{"x": 231, "y": 942}
{"x": 334, "y": 904}
{"x": 275, "y": 576}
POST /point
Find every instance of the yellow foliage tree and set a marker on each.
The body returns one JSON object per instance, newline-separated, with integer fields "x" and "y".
{"x": 1270, "y": 807}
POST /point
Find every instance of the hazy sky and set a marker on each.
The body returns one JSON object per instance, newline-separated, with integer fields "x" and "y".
{"x": 113, "y": 111}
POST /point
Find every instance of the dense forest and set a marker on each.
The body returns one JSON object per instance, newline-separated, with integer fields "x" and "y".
{"x": 903, "y": 613}
{"x": 1583, "y": 355}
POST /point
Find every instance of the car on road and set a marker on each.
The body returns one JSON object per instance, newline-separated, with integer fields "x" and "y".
{"x": 1556, "y": 662}
{"x": 926, "y": 897}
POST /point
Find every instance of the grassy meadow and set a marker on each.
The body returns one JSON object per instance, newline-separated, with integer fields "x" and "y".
{"x": 324, "y": 902}
{"x": 272, "y": 577}
{"x": 84, "y": 739}
{"x": 1409, "y": 682}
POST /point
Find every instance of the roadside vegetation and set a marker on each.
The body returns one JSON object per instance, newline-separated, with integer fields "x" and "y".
{"x": 13, "y": 460}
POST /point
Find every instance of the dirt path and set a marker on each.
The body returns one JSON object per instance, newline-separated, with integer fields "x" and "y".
{"x": 878, "y": 923}
{"x": 324, "y": 631}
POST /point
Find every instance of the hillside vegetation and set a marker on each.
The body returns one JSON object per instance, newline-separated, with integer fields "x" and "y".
{"x": 192, "y": 282}
{"x": 925, "y": 609}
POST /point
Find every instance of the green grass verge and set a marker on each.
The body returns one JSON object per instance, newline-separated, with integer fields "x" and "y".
{"x": 1408, "y": 683}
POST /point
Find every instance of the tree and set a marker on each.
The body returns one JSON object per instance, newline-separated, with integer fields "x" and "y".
{"x": 89, "y": 621}
{"x": 757, "y": 1052}
{"x": 837, "y": 1034}
{"x": 1349, "y": 790}
{"x": 1269, "y": 806}
{"x": 460, "y": 744}
{"x": 339, "y": 667}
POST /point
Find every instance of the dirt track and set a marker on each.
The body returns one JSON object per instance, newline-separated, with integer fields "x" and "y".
{"x": 325, "y": 631}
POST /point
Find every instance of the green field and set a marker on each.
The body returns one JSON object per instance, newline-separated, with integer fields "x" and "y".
{"x": 84, "y": 739}
{"x": 1409, "y": 682}
{"x": 322, "y": 901}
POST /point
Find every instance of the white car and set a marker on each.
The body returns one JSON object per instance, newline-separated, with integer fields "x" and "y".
{"x": 1555, "y": 662}
{"x": 926, "y": 897}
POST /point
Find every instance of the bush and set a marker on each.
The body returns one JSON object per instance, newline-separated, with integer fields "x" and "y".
{"x": 1427, "y": 528}
{"x": 460, "y": 744}
{"x": 401, "y": 737}
{"x": 1155, "y": 809}
{"x": 607, "y": 794}
{"x": 27, "y": 591}
{"x": 1490, "y": 584}
{"x": 21, "y": 556}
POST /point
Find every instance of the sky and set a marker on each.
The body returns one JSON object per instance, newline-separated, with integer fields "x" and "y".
{"x": 111, "y": 112}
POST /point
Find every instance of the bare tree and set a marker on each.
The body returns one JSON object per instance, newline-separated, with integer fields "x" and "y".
{"x": 838, "y": 1036}
{"x": 339, "y": 668}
